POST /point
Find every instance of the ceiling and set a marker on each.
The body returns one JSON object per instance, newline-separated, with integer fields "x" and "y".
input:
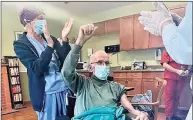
{"x": 86, "y": 8}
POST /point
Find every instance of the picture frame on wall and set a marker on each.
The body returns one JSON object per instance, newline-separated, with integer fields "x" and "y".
{"x": 18, "y": 34}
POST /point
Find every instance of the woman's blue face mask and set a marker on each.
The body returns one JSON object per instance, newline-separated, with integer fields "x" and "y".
{"x": 39, "y": 26}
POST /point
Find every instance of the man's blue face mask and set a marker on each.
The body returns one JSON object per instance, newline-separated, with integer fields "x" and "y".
{"x": 39, "y": 26}
{"x": 102, "y": 72}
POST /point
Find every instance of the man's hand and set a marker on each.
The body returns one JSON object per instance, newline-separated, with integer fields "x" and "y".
{"x": 142, "y": 116}
{"x": 85, "y": 33}
{"x": 67, "y": 28}
{"x": 127, "y": 105}
{"x": 47, "y": 36}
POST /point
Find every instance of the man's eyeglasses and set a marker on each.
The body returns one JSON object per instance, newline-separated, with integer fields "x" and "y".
{"x": 107, "y": 63}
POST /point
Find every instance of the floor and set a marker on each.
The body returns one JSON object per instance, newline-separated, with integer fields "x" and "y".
{"x": 28, "y": 114}
{"x": 23, "y": 114}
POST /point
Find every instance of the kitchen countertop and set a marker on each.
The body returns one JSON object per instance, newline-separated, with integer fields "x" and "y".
{"x": 150, "y": 68}
{"x": 145, "y": 70}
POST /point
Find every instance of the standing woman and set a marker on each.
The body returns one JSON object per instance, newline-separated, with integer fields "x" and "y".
{"x": 176, "y": 75}
{"x": 43, "y": 56}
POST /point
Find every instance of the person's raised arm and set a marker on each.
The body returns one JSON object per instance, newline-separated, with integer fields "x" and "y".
{"x": 69, "y": 74}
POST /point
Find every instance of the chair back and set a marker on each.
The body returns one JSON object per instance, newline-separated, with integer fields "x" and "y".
{"x": 163, "y": 84}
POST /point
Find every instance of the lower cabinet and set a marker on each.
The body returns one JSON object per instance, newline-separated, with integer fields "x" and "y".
{"x": 141, "y": 82}
{"x": 151, "y": 84}
{"x": 122, "y": 81}
{"x": 136, "y": 83}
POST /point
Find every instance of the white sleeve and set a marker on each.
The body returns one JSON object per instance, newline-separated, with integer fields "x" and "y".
{"x": 178, "y": 40}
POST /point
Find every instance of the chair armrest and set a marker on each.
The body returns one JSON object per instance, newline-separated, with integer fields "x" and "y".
{"x": 154, "y": 103}
{"x": 130, "y": 95}
{"x": 129, "y": 88}
{"x": 72, "y": 97}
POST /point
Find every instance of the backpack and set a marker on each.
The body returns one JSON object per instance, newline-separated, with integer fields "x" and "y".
{"x": 144, "y": 98}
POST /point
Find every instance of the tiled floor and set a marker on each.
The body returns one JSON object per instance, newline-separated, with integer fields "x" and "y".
{"x": 28, "y": 114}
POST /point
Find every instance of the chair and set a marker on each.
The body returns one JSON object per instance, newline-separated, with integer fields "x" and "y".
{"x": 156, "y": 104}
{"x": 71, "y": 105}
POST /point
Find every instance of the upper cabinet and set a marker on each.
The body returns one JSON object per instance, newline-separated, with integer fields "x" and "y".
{"x": 101, "y": 28}
{"x": 112, "y": 26}
{"x": 180, "y": 11}
{"x": 131, "y": 32}
{"x": 155, "y": 41}
{"x": 107, "y": 27}
{"x": 126, "y": 33}
{"x": 141, "y": 37}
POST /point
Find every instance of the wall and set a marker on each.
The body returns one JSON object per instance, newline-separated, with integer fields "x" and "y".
{"x": 124, "y": 58}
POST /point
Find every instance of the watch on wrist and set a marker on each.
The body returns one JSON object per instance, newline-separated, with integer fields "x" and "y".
{"x": 60, "y": 40}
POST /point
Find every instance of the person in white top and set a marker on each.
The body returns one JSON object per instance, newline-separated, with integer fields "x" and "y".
{"x": 176, "y": 33}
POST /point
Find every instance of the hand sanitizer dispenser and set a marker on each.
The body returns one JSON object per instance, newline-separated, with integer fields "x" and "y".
{"x": 89, "y": 52}
{"x": 158, "y": 53}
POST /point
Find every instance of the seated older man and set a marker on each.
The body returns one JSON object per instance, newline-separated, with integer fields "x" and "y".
{"x": 97, "y": 98}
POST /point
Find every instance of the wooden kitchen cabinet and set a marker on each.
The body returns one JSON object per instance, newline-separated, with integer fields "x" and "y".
{"x": 126, "y": 33}
{"x": 134, "y": 80}
{"x": 155, "y": 41}
{"x": 152, "y": 75}
{"x": 141, "y": 81}
{"x": 101, "y": 28}
{"x": 122, "y": 81}
{"x": 112, "y": 26}
{"x": 141, "y": 37}
{"x": 137, "y": 75}
{"x": 120, "y": 78}
{"x": 136, "y": 83}
{"x": 180, "y": 11}
{"x": 120, "y": 75}
{"x": 151, "y": 84}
